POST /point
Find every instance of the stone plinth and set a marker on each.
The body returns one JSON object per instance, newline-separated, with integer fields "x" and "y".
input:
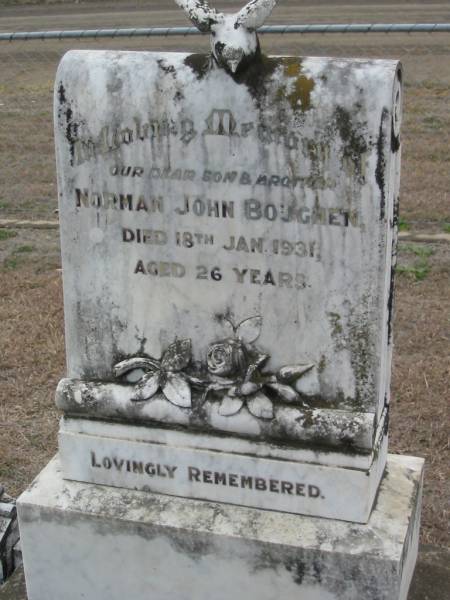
{"x": 95, "y": 542}
{"x": 304, "y": 481}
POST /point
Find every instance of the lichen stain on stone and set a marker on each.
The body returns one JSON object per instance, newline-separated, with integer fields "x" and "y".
{"x": 336, "y": 324}
{"x": 300, "y": 97}
{"x": 353, "y": 140}
{"x": 114, "y": 86}
{"x": 322, "y": 364}
{"x": 259, "y": 72}
{"x": 361, "y": 356}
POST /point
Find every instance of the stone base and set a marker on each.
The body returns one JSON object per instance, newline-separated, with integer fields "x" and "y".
{"x": 310, "y": 482}
{"x": 91, "y": 542}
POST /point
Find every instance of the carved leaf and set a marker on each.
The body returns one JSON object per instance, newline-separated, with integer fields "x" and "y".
{"x": 134, "y": 376}
{"x": 290, "y": 372}
{"x": 177, "y": 356}
{"x": 260, "y": 406}
{"x": 177, "y": 390}
{"x": 249, "y": 329}
{"x": 249, "y": 388}
{"x": 147, "y": 387}
{"x": 230, "y": 406}
{"x": 130, "y": 364}
{"x": 285, "y": 392}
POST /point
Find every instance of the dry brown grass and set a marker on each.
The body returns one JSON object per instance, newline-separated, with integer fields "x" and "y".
{"x": 32, "y": 361}
{"x": 420, "y": 414}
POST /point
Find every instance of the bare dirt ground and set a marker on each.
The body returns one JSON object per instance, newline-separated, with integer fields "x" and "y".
{"x": 31, "y": 319}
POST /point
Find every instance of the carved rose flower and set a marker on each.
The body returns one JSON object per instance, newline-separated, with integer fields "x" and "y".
{"x": 226, "y": 357}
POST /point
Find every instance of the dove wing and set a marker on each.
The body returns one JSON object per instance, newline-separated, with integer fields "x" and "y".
{"x": 199, "y": 12}
{"x": 255, "y": 13}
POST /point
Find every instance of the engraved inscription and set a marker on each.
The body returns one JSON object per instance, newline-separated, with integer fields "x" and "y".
{"x": 196, "y": 475}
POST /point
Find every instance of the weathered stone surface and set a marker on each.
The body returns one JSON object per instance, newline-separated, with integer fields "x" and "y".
{"x": 227, "y": 242}
{"x": 95, "y": 542}
{"x": 431, "y": 579}
{"x": 190, "y": 465}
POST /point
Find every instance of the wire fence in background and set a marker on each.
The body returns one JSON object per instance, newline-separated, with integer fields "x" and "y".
{"x": 28, "y": 62}
{"x": 266, "y": 29}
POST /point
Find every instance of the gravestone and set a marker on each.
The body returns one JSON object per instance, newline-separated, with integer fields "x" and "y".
{"x": 228, "y": 228}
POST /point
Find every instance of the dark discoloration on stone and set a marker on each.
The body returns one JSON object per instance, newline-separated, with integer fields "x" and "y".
{"x": 298, "y": 569}
{"x": 257, "y": 72}
{"x": 279, "y": 436}
{"x": 395, "y": 142}
{"x": 61, "y": 93}
{"x": 65, "y": 112}
{"x": 169, "y": 69}
{"x": 256, "y": 75}
{"x": 362, "y": 350}
{"x": 353, "y": 139}
{"x": 199, "y": 63}
{"x": 380, "y": 172}
{"x": 391, "y": 298}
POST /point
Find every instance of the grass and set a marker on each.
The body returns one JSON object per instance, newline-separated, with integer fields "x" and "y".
{"x": 11, "y": 263}
{"x": 7, "y": 234}
{"x": 446, "y": 227}
{"x": 403, "y": 225}
{"x": 418, "y": 250}
{"x": 418, "y": 271}
{"x": 420, "y": 267}
{"x": 24, "y": 249}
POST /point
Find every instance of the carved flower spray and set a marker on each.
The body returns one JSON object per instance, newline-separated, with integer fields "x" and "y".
{"x": 233, "y": 374}
{"x": 237, "y": 359}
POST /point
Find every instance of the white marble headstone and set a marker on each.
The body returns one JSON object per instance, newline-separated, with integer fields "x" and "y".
{"x": 227, "y": 244}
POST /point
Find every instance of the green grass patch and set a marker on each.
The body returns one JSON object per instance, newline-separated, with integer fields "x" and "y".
{"x": 11, "y": 263}
{"x": 403, "y": 225}
{"x": 417, "y": 271}
{"x": 446, "y": 227}
{"x": 7, "y": 234}
{"x": 24, "y": 249}
{"x": 417, "y": 249}
{"x": 433, "y": 122}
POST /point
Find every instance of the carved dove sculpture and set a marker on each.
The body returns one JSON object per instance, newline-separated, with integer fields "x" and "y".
{"x": 234, "y": 41}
